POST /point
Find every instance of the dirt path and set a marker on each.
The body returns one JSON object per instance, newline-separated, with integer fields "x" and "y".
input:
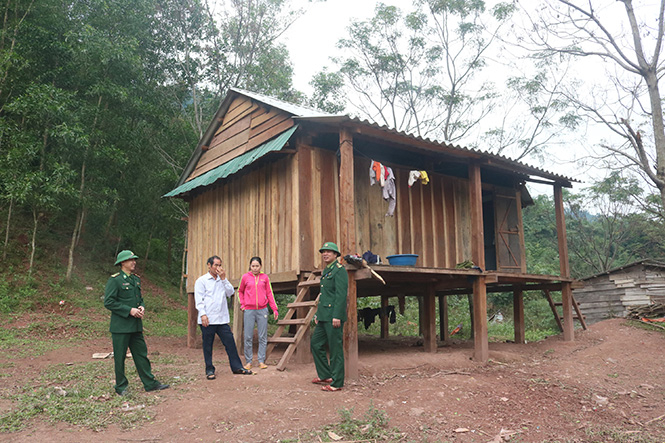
{"x": 607, "y": 385}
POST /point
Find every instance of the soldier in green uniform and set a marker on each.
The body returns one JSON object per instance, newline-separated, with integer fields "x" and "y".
{"x": 123, "y": 298}
{"x": 330, "y": 318}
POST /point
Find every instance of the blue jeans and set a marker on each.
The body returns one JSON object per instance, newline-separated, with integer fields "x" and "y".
{"x": 225, "y": 334}
{"x": 260, "y": 317}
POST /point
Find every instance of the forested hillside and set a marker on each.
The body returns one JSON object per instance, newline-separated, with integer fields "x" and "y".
{"x": 101, "y": 104}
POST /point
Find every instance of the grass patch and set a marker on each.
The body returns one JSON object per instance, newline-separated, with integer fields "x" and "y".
{"x": 373, "y": 425}
{"x": 539, "y": 320}
{"x": 46, "y": 332}
{"x": 168, "y": 323}
{"x": 82, "y": 395}
{"x": 603, "y": 435}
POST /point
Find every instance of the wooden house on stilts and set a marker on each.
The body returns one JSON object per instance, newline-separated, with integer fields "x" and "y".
{"x": 277, "y": 180}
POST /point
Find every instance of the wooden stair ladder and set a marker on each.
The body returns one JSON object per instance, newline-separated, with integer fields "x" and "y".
{"x": 301, "y": 322}
{"x": 558, "y": 317}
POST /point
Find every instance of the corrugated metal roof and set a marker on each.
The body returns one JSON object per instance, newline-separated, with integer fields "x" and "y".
{"x": 644, "y": 262}
{"x": 526, "y": 168}
{"x": 298, "y": 110}
{"x": 234, "y": 165}
{"x": 312, "y": 115}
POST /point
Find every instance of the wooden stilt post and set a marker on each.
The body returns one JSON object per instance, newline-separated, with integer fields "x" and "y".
{"x": 518, "y": 314}
{"x": 480, "y": 339}
{"x": 351, "y": 332}
{"x": 192, "y": 317}
{"x": 566, "y": 291}
{"x": 429, "y": 317}
{"x": 347, "y": 223}
{"x": 238, "y": 327}
{"x": 384, "y": 317}
{"x": 443, "y": 319}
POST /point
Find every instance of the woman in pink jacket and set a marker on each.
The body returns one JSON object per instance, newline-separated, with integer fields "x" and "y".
{"x": 255, "y": 293}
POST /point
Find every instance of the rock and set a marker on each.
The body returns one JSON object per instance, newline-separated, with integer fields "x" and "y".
{"x": 334, "y": 436}
{"x": 600, "y": 401}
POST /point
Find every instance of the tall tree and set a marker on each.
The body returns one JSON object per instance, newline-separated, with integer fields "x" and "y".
{"x": 620, "y": 43}
{"x": 420, "y": 72}
{"x": 599, "y": 224}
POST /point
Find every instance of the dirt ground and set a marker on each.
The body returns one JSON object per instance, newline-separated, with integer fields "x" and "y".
{"x": 607, "y": 385}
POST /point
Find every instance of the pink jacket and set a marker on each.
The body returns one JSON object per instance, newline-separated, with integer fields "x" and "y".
{"x": 255, "y": 292}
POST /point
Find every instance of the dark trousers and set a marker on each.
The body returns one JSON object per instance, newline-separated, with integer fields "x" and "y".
{"x": 135, "y": 342}
{"x": 324, "y": 334}
{"x": 225, "y": 334}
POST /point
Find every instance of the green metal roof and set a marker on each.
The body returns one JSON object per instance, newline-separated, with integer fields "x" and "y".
{"x": 234, "y": 165}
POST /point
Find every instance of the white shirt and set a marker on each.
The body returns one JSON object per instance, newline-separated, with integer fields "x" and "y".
{"x": 209, "y": 295}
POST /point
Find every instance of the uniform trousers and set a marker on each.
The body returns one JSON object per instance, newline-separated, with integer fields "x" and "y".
{"x": 324, "y": 334}
{"x": 136, "y": 344}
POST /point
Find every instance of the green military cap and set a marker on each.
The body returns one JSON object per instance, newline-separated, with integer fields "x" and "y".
{"x": 125, "y": 255}
{"x": 330, "y": 246}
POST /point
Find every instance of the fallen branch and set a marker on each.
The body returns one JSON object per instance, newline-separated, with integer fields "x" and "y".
{"x": 655, "y": 419}
{"x": 651, "y": 324}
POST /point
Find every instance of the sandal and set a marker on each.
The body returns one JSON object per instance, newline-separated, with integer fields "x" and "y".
{"x": 211, "y": 376}
{"x": 322, "y": 381}
{"x": 243, "y": 371}
{"x": 330, "y": 388}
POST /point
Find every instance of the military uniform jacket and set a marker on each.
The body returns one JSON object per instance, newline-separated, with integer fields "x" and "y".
{"x": 334, "y": 287}
{"x": 123, "y": 292}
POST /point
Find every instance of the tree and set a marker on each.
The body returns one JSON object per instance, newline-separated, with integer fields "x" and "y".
{"x": 101, "y": 103}
{"x": 599, "y": 224}
{"x": 420, "y": 72}
{"x": 626, "y": 42}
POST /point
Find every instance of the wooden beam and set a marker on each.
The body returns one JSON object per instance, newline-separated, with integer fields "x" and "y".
{"x": 385, "y": 330}
{"x": 192, "y": 317}
{"x": 347, "y": 220}
{"x": 238, "y": 327}
{"x": 443, "y": 319}
{"x": 429, "y": 320}
{"x": 480, "y": 339}
{"x": 566, "y": 292}
{"x": 305, "y": 199}
{"x": 476, "y": 204}
{"x": 518, "y": 315}
{"x": 351, "y": 331}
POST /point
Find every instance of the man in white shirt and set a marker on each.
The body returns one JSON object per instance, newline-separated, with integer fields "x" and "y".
{"x": 210, "y": 292}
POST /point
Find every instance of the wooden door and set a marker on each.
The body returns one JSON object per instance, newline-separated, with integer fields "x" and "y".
{"x": 509, "y": 238}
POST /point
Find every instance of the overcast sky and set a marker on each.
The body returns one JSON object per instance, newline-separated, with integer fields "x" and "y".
{"x": 312, "y": 39}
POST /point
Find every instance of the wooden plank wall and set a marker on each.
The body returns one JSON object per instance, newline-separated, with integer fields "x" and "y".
{"x": 245, "y": 126}
{"x": 430, "y": 220}
{"x": 253, "y": 214}
{"x": 319, "y": 196}
{"x": 610, "y": 295}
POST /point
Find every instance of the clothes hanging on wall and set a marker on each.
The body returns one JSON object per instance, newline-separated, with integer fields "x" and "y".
{"x": 413, "y": 176}
{"x": 418, "y": 175}
{"x": 385, "y": 177}
{"x": 377, "y": 172}
{"x": 389, "y": 192}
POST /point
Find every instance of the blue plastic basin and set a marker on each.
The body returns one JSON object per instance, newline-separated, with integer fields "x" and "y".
{"x": 402, "y": 259}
